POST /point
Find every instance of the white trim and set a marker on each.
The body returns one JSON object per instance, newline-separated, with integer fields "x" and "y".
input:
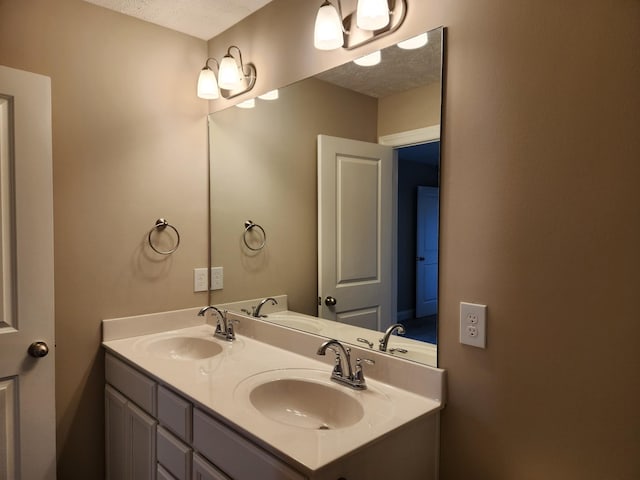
{"x": 411, "y": 137}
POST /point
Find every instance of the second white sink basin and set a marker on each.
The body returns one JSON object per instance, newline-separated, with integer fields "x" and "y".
{"x": 184, "y": 348}
{"x": 306, "y": 404}
{"x": 308, "y": 399}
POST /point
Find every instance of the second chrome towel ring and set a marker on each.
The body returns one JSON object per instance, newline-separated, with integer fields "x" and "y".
{"x": 248, "y": 227}
{"x": 160, "y": 225}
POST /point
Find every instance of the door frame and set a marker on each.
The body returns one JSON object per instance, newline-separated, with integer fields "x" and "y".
{"x": 398, "y": 140}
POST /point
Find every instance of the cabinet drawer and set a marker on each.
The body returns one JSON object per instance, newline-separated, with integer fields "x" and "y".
{"x": 133, "y": 384}
{"x": 174, "y": 455}
{"x": 174, "y": 413}
{"x": 237, "y": 457}
{"x": 203, "y": 470}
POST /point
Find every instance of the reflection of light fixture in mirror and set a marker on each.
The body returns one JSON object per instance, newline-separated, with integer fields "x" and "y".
{"x": 414, "y": 42}
{"x": 247, "y": 103}
{"x": 369, "y": 60}
{"x": 372, "y": 20}
{"x": 272, "y": 95}
{"x": 372, "y": 14}
{"x": 233, "y": 78}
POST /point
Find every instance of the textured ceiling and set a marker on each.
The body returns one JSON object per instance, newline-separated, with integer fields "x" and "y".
{"x": 399, "y": 70}
{"x": 200, "y": 18}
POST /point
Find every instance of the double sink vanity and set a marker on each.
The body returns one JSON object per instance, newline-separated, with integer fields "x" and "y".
{"x": 267, "y": 402}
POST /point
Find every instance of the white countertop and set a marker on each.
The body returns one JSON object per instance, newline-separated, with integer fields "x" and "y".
{"x": 216, "y": 384}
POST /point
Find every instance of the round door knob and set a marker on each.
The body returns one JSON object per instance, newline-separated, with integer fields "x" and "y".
{"x": 330, "y": 301}
{"x": 38, "y": 349}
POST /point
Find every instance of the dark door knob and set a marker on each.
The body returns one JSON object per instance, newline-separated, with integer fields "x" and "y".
{"x": 38, "y": 349}
{"x": 420, "y": 259}
{"x": 330, "y": 301}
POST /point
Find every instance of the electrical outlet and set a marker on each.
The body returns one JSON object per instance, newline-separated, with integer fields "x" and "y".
{"x": 200, "y": 280}
{"x": 473, "y": 324}
{"x": 217, "y": 278}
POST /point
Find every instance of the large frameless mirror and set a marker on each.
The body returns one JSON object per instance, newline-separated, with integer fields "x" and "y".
{"x": 341, "y": 171}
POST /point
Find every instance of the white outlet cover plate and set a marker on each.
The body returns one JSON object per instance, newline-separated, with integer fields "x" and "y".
{"x": 473, "y": 315}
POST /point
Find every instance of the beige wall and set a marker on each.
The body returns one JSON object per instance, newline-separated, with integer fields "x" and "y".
{"x": 129, "y": 146}
{"x": 264, "y": 169}
{"x": 409, "y": 110}
{"x": 540, "y": 220}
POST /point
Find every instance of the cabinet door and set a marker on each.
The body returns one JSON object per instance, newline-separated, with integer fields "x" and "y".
{"x": 140, "y": 444}
{"x": 115, "y": 431}
{"x": 203, "y": 470}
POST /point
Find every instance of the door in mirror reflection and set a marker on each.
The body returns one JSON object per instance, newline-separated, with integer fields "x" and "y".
{"x": 355, "y": 231}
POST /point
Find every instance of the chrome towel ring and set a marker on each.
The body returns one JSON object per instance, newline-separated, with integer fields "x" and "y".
{"x": 160, "y": 225}
{"x": 248, "y": 226}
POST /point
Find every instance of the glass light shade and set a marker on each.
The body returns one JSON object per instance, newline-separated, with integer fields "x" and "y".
{"x": 414, "y": 42}
{"x": 272, "y": 95}
{"x": 247, "y": 103}
{"x": 207, "y": 85}
{"x": 229, "y": 74}
{"x": 369, "y": 60}
{"x": 372, "y": 14}
{"x": 327, "y": 34}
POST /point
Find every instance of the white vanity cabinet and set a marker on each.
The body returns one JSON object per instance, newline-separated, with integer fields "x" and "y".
{"x": 186, "y": 418}
{"x": 178, "y": 442}
{"x": 130, "y": 439}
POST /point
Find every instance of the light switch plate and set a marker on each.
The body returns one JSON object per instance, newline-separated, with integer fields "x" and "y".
{"x": 200, "y": 280}
{"x": 473, "y": 324}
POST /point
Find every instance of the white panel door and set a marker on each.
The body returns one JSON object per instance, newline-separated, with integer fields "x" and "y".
{"x": 355, "y": 231}
{"x": 27, "y": 414}
{"x": 427, "y": 252}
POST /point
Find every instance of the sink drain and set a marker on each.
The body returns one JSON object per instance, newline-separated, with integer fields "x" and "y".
{"x": 324, "y": 426}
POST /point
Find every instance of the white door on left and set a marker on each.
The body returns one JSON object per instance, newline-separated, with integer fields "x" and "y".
{"x": 27, "y": 412}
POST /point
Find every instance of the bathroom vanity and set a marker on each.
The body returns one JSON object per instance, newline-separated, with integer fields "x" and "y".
{"x": 183, "y": 404}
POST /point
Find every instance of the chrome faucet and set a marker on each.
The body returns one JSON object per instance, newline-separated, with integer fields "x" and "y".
{"x": 384, "y": 341}
{"x": 256, "y": 310}
{"x": 224, "y": 328}
{"x": 354, "y": 377}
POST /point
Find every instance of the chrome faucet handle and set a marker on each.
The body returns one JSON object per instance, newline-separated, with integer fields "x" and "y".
{"x": 337, "y": 366}
{"x": 231, "y": 334}
{"x": 244, "y": 310}
{"x": 358, "y": 373}
{"x": 399, "y": 350}
{"x": 364, "y": 340}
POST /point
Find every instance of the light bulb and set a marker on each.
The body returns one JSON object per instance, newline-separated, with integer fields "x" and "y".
{"x": 369, "y": 60}
{"x": 414, "y": 42}
{"x": 229, "y": 74}
{"x": 327, "y": 34}
{"x": 207, "y": 85}
{"x": 372, "y": 14}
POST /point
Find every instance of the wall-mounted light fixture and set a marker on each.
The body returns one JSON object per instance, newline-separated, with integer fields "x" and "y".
{"x": 372, "y": 19}
{"x": 234, "y": 78}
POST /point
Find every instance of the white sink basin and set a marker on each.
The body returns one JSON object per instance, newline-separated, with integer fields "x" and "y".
{"x": 184, "y": 348}
{"x": 297, "y": 321}
{"x": 306, "y": 404}
{"x": 309, "y": 400}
